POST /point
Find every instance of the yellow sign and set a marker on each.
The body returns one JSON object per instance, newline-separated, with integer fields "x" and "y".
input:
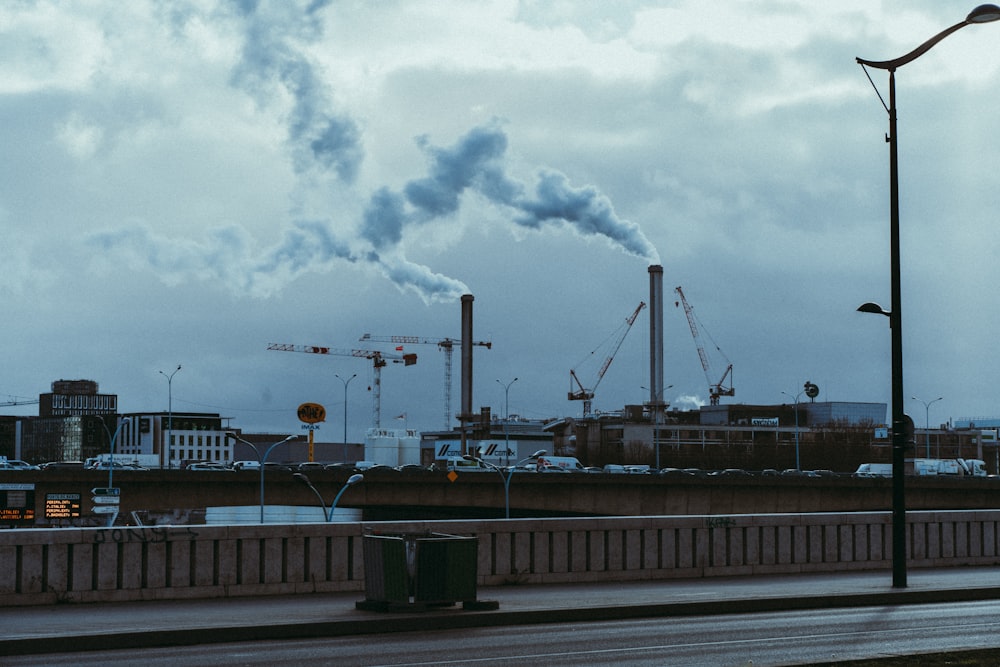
{"x": 311, "y": 413}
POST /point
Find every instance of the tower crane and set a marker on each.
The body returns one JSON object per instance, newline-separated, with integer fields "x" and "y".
{"x": 18, "y": 401}
{"x": 379, "y": 359}
{"x": 583, "y": 393}
{"x": 716, "y": 389}
{"x": 446, "y": 345}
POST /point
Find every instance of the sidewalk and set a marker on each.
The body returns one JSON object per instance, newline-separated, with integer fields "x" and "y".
{"x": 79, "y": 627}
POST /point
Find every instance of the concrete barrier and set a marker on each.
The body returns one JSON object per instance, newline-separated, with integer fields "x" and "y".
{"x": 46, "y": 566}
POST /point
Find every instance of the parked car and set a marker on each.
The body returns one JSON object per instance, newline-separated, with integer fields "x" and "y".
{"x": 16, "y": 464}
{"x": 59, "y": 465}
{"x": 208, "y": 466}
{"x": 246, "y": 465}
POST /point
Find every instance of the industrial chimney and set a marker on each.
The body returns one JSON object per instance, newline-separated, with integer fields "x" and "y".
{"x": 465, "y": 417}
{"x": 656, "y": 336}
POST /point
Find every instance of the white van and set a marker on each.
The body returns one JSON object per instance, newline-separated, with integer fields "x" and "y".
{"x": 559, "y": 464}
{"x": 461, "y": 464}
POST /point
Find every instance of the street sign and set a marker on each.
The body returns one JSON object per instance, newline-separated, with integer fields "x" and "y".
{"x": 105, "y": 509}
{"x": 106, "y": 500}
{"x": 106, "y": 491}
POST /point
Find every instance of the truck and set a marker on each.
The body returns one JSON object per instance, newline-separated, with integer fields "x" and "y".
{"x": 462, "y": 464}
{"x": 103, "y": 461}
{"x": 558, "y": 464}
{"x": 924, "y": 467}
{"x": 947, "y": 467}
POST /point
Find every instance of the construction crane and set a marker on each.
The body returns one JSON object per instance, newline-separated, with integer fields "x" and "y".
{"x": 18, "y": 401}
{"x": 587, "y": 394}
{"x": 379, "y": 359}
{"x": 715, "y": 389}
{"x": 446, "y": 345}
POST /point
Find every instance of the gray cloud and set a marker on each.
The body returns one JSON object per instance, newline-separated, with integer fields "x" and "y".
{"x": 319, "y": 139}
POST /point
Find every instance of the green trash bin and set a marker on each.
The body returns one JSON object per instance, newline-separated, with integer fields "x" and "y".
{"x": 417, "y": 571}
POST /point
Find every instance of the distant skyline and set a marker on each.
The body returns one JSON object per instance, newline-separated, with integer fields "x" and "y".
{"x": 187, "y": 182}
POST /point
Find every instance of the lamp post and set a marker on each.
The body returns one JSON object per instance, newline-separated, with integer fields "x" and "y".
{"x": 927, "y": 420}
{"x": 657, "y": 405}
{"x": 796, "y": 397}
{"x": 505, "y": 475}
{"x": 981, "y": 14}
{"x": 506, "y": 414}
{"x": 170, "y": 410}
{"x": 351, "y": 481}
{"x": 346, "y": 382}
{"x": 111, "y": 445}
{"x": 261, "y": 460}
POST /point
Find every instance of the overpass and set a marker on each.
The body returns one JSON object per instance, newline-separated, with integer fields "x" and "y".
{"x": 418, "y": 495}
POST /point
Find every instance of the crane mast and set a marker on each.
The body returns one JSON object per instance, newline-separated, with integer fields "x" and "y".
{"x": 587, "y": 394}
{"x": 715, "y": 389}
{"x": 378, "y": 358}
{"x": 446, "y": 345}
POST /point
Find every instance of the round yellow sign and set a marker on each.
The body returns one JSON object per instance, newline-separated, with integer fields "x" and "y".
{"x": 311, "y": 413}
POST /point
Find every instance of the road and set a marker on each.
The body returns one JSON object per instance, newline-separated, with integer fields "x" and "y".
{"x": 788, "y": 638}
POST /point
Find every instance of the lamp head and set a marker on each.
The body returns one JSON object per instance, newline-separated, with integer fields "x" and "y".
{"x": 873, "y": 308}
{"x": 540, "y": 452}
{"x": 301, "y": 477}
{"x": 983, "y": 14}
{"x": 354, "y": 479}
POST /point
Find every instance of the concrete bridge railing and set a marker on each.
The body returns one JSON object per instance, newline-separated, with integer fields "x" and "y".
{"x": 45, "y": 566}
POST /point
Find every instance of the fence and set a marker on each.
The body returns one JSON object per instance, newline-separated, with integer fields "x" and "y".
{"x": 44, "y": 566}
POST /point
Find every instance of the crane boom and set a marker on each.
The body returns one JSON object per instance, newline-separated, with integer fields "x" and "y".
{"x": 583, "y": 393}
{"x": 715, "y": 389}
{"x": 446, "y": 345}
{"x": 378, "y": 358}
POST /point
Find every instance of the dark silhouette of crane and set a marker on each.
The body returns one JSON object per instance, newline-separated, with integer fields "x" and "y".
{"x": 446, "y": 345}
{"x": 585, "y": 394}
{"x": 379, "y": 359}
{"x": 715, "y": 389}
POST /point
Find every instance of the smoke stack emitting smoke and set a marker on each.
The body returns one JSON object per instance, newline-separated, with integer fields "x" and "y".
{"x": 327, "y": 144}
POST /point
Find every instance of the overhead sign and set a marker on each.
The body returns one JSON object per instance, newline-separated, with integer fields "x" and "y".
{"x": 62, "y": 505}
{"x": 105, "y": 509}
{"x": 106, "y": 500}
{"x": 311, "y": 413}
{"x": 106, "y": 491}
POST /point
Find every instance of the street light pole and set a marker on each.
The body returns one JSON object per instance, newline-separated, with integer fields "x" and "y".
{"x": 111, "y": 445}
{"x": 505, "y": 475}
{"x": 506, "y": 415}
{"x": 927, "y": 420}
{"x": 170, "y": 410}
{"x": 351, "y": 481}
{"x": 260, "y": 460}
{"x": 981, "y": 14}
{"x": 346, "y": 382}
{"x": 797, "y": 464}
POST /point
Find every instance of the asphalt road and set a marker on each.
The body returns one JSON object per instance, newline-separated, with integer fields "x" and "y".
{"x": 767, "y": 638}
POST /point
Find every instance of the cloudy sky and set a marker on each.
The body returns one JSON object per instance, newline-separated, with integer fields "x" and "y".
{"x": 187, "y": 182}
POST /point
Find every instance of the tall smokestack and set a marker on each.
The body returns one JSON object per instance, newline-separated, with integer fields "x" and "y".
{"x": 466, "y": 415}
{"x": 656, "y": 335}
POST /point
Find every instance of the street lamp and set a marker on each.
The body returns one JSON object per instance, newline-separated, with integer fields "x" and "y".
{"x": 505, "y": 475}
{"x": 796, "y": 397}
{"x": 506, "y": 414}
{"x": 657, "y": 406}
{"x": 351, "y": 481}
{"x": 346, "y": 382}
{"x": 981, "y": 14}
{"x": 927, "y": 420}
{"x": 261, "y": 460}
{"x": 170, "y": 410}
{"x": 111, "y": 445}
